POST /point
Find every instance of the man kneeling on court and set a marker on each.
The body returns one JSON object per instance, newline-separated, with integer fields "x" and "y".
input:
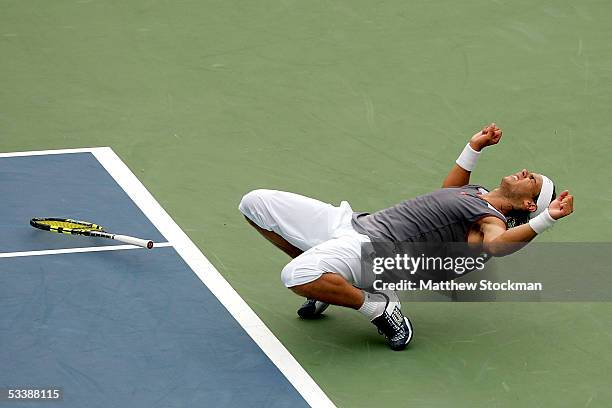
{"x": 325, "y": 241}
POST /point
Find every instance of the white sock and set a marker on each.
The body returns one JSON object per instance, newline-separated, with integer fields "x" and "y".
{"x": 373, "y": 305}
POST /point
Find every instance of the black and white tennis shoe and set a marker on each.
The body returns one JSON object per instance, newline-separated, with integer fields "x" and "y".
{"x": 393, "y": 324}
{"x": 312, "y": 309}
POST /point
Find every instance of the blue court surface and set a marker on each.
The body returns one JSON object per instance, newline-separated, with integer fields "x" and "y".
{"x": 119, "y": 326}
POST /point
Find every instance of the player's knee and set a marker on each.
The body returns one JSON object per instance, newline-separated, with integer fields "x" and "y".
{"x": 252, "y": 203}
{"x": 248, "y": 202}
{"x": 298, "y": 272}
{"x": 290, "y": 274}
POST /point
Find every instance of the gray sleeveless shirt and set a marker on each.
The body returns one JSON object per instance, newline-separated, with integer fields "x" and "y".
{"x": 444, "y": 215}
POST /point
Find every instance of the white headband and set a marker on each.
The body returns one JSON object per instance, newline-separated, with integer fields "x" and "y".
{"x": 545, "y": 197}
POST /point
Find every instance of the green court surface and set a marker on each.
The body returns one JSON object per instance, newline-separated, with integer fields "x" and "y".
{"x": 363, "y": 101}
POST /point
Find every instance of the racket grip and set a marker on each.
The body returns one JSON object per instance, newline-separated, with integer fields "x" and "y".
{"x": 134, "y": 241}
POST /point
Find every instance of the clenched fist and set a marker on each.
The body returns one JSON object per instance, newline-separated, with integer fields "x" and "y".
{"x": 488, "y": 136}
{"x": 562, "y": 206}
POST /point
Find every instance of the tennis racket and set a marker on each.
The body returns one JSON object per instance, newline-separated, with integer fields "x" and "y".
{"x": 68, "y": 226}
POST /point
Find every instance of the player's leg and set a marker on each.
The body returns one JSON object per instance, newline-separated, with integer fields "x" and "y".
{"x": 311, "y": 308}
{"x": 294, "y": 223}
{"x": 328, "y": 273}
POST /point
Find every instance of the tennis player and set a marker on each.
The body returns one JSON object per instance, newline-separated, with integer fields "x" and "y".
{"x": 325, "y": 241}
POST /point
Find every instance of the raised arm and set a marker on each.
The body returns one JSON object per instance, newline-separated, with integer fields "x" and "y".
{"x": 459, "y": 175}
{"x": 500, "y": 242}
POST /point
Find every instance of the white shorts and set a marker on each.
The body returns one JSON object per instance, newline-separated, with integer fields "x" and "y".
{"x": 323, "y": 231}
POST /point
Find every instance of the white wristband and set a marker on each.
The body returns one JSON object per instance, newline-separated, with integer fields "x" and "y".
{"x": 542, "y": 222}
{"x": 468, "y": 158}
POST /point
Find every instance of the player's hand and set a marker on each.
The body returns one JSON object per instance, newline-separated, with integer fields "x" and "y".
{"x": 488, "y": 136}
{"x": 562, "y": 206}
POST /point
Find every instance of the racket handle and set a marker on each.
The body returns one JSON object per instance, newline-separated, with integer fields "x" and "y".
{"x": 134, "y": 241}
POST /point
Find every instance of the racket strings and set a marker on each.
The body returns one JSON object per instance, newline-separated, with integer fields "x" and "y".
{"x": 70, "y": 225}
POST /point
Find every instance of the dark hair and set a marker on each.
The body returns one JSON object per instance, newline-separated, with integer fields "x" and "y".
{"x": 520, "y": 217}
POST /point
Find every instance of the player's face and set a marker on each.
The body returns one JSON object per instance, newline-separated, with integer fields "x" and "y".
{"x": 524, "y": 184}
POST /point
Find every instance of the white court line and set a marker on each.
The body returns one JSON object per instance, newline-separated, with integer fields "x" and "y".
{"x": 215, "y": 282}
{"x": 47, "y": 152}
{"x": 78, "y": 250}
